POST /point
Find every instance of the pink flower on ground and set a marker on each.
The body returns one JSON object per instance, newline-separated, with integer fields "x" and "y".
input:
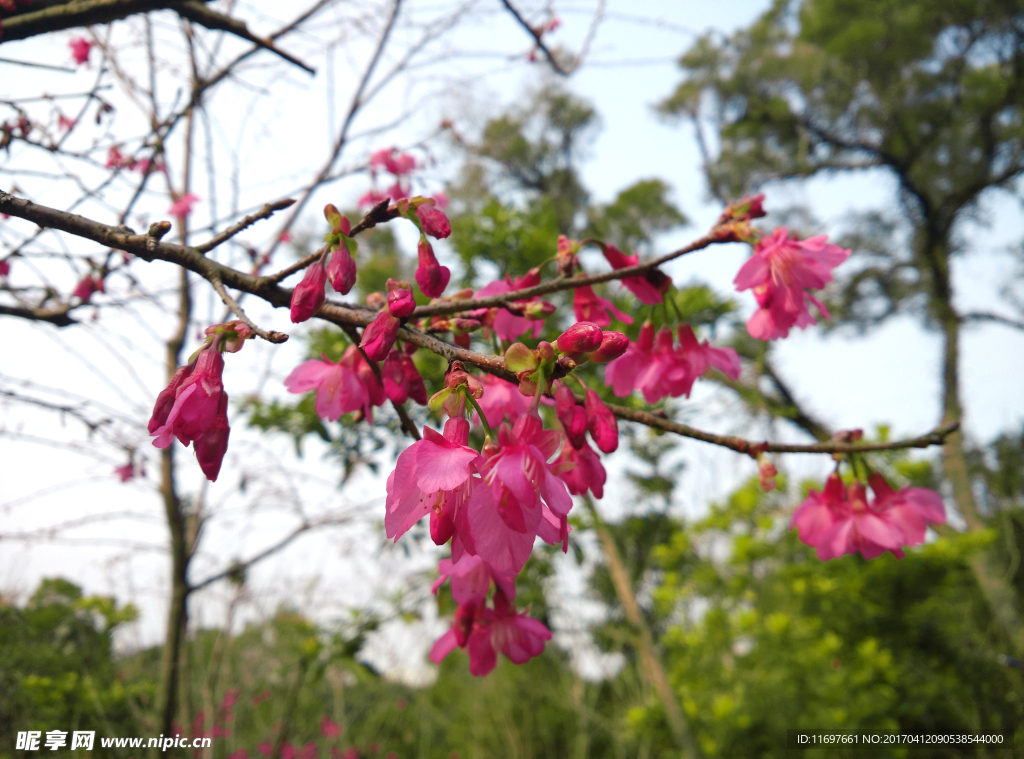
{"x": 502, "y": 398}
{"x": 339, "y": 390}
{"x": 182, "y": 206}
{"x": 588, "y": 472}
{"x": 434, "y": 221}
{"x": 591, "y": 307}
{"x": 310, "y": 293}
{"x": 430, "y": 275}
{"x": 481, "y": 630}
{"x": 432, "y": 476}
{"x": 329, "y": 728}
{"x": 504, "y": 513}
{"x": 838, "y": 521}
{"x": 80, "y": 49}
{"x": 601, "y": 423}
{"x": 471, "y": 579}
{"x": 341, "y": 271}
{"x": 648, "y": 288}
{"x": 781, "y": 272}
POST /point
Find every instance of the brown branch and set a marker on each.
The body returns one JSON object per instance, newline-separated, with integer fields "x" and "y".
{"x": 150, "y": 249}
{"x": 236, "y": 309}
{"x": 264, "y": 213}
{"x": 985, "y": 316}
{"x": 537, "y": 34}
{"x": 59, "y": 318}
{"x": 73, "y": 14}
{"x": 557, "y": 284}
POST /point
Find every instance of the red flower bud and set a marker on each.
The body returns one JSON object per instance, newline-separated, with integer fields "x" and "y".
{"x": 613, "y": 345}
{"x": 379, "y": 336}
{"x": 341, "y": 270}
{"x": 434, "y": 221}
{"x": 400, "y": 302}
{"x": 396, "y": 384}
{"x": 431, "y": 276}
{"x": 581, "y": 337}
{"x": 309, "y": 294}
{"x": 571, "y": 416}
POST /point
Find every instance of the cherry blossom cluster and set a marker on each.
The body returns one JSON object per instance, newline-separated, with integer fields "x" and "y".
{"x": 839, "y": 520}
{"x": 490, "y": 503}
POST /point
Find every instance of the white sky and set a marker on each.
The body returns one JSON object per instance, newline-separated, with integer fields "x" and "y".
{"x": 889, "y": 376}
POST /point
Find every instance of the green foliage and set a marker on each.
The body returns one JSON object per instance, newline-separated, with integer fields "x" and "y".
{"x": 58, "y": 670}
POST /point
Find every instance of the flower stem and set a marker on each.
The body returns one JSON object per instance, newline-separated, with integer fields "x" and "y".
{"x": 488, "y": 435}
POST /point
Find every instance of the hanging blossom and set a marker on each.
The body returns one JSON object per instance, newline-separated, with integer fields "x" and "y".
{"x": 649, "y": 287}
{"x": 343, "y": 387}
{"x": 781, "y": 273}
{"x": 840, "y": 520}
{"x": 193, "y": 407}
{"x": 502, "y": 400}
{"x": 591, "y": 307}
{"x": 658, "y": 368}
{"x": 435, "y": 475}
{"x": 380, "y": 334}
{"x": 483, "y": 631}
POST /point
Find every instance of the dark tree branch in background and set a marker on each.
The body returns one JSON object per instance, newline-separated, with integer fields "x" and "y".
{"x": 984, "y": 316}
{"x": 264, "y": 213}
{"x": 58, "y": 318}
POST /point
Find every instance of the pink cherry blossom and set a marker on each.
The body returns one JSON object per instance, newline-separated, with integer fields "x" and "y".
{"x": 339, "y": 390}
{"x": 432, "y": 476}
{"x": 126, "y": 472}
{"x": 309, "y": 294}
{"x": 396, "y": 384}
{"x": 400, "y": 302}
{"x": 481, "y": 630}
{"x": 840, "y": 521}
{"x": 507, "y": 325}
{"x": 621, "y": 374}
{"x": 601, "y": 423}
{"x": 114, "y": 158}
{"x": 182, "y": 205}
{"x": 591, "y": 307}
{"x": 87, "y": 286}
{"x": 471, "y": 579}
{"x": 781, "y": 273}
{"x": 571, "y": 416}
{"x": 417, "y": 388}
{"x": 648, "y": 288}
{"x": 5, "y": 267}
{"x": 588, "y": 472}
{"x": 501, "y": 398}
{"x": 80, "y": 49}
{"x": 371, "y": 198}
{"x": 389, "y": 158}
{"x": 197, "y": 401}
{"x": 430, "y": 275}
{"x": 504, "y": 513}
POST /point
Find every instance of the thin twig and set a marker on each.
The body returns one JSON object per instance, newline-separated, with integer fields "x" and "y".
{"x": 264, "y": 213}
{"x": 236, "y": 309}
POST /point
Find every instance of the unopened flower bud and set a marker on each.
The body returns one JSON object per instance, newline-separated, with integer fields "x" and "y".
{"x": 400, "y": 302}
{"x": 766, "y": 473}
{"x": 376, "y": 301}
{"x": 613, "y": 345}
{"x": 341, "y": 271}
{"x": 546, "y": 351}
{"x": 538, "y": 309}
{"x": 434, "y": 221}
{"x": 582, "y": 337}
{"x": 309, "y": 294}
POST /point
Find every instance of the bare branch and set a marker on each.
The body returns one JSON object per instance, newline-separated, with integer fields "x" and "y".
{"x": 264, "y": 213}
{"x": 985, "y": 316}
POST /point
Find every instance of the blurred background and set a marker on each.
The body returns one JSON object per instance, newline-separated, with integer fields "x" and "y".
{"x": 688, "y": 619}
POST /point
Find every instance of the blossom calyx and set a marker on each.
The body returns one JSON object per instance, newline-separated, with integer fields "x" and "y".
{"x": 233, "y": 335}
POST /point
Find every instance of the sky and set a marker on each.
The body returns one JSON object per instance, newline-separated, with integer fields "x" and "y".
{"x": 268, "y": 144}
